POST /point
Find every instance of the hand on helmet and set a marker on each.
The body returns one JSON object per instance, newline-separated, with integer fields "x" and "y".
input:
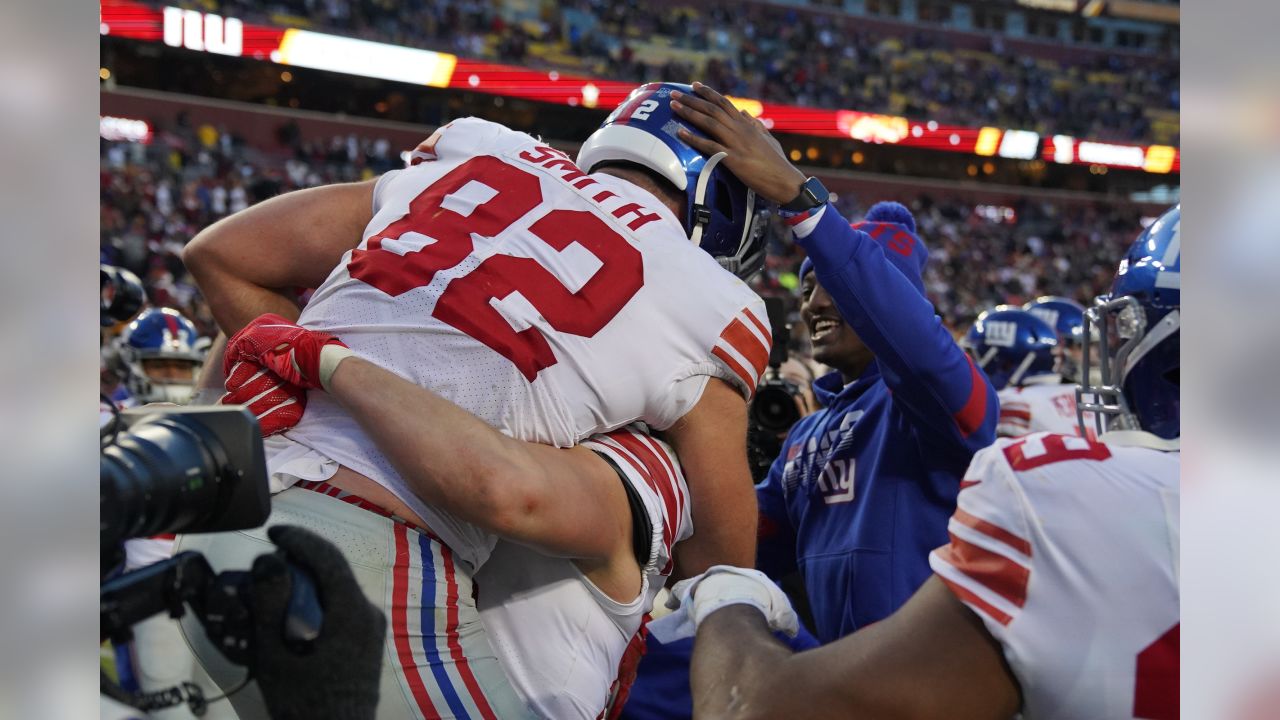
{"x": 753, "y": 155}
{"x": 301, "y": 357}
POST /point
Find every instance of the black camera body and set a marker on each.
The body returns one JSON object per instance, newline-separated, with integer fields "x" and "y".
{"x": 185, "y": 470}
{"x": 169, "y": 469}
{"x": 776, "y": 405}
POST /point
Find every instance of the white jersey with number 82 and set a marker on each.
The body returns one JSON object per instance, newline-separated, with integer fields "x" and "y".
{"x": 550, "y": 303}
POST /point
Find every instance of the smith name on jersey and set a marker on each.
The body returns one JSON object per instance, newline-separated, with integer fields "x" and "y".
{"x": 550, "y": 303}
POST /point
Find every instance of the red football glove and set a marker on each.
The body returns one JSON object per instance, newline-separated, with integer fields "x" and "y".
{"x": 297, "y": 355}
{"x": 277, "y": 404}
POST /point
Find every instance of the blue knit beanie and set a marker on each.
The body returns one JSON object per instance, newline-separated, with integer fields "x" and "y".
{"x": 892, "y": 225}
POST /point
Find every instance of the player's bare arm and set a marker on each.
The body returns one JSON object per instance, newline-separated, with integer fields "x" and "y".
{"x": 931, "y": 659}
{"x": 251, "y": 262}
{"x": 711, "y": 441}
{"x": 560, "y": 501}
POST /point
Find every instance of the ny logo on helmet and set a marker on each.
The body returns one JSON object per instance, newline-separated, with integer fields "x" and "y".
{"x": 1001, "y": 333}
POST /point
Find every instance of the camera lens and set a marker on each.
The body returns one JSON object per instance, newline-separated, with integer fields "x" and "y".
{"x": 774, "y": 407}
{"x": 162, "y": 476}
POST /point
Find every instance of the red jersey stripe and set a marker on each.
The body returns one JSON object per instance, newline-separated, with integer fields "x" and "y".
{"x": 665, "y": 483}
{"x": 1008, "y": 413}
{"x": 672, "y": 476}
{"x": 969, "y": 418}
{"x": 966, "y": 596}
{"x": 667, "y": 537}
{"x": 992, "y": 530}
{"x": 993, "y": 571}
{"x": 743, "y": 374}
{"x": 768, "y": 335}
{"x": 748, "y": 345}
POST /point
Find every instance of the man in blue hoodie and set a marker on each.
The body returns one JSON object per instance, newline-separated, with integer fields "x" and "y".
{"x": 863, "y": 488}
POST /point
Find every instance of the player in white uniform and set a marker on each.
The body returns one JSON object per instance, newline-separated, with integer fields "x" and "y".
{"x": 551, "y": 303}
{"x": 1058, "y": 596}
{"x": 1022, "y": 356}
{"x": 563, "y": 595}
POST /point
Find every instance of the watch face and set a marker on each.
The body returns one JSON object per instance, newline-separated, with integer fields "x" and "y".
{"x": 816, "y": 191}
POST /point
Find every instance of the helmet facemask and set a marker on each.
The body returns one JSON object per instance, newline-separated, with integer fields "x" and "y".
{"x": 1111, "y": 322}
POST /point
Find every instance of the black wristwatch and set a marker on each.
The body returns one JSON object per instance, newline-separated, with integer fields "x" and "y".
{"x": 812, "y": 194}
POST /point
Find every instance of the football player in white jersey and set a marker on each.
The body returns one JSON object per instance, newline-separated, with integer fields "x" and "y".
{"x": 564, "y": 595}
{"x": 552, "y": 303}
{"x": 1022, "y": 356}
{"x": 1058, "y": 595}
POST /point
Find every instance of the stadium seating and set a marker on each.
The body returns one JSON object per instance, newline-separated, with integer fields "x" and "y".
{"x": 767, "y": 52}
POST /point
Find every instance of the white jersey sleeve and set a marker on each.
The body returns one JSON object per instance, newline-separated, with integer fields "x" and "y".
{"x": 651, "y": 469}
{"x": 1067, "y": 550}
{"x": 1039, "y": 408}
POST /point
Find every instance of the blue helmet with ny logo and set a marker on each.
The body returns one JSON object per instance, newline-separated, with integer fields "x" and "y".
{"x": 722, "y": 215}
{"x": 1137, "y": 326}
{"x": 160, "y": 349}
{"x": 1013, "y": 347}
{"x": 1067, "y": 317}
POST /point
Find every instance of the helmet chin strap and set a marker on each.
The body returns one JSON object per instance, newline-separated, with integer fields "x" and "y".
{"x": 700, "y": 194}
{"x": 1016, "y": 377}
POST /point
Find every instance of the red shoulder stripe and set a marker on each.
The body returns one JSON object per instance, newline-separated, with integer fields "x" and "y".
{"x": 993, "y": 571}
{"x": 737, "y": 368}
{"x": 1010, "y": 413}
{"x": 992, "y": 530}
{"x": 747, "y": 344}
{"x": 966, "y": 596}
{"x": 648, "y": 467}
{"x": 768, "y": 334}
{"x": 672, "y": 476}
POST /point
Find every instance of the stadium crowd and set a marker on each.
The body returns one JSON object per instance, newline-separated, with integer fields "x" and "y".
{"x": 769, "y": 52}
{"x": 156, "y": 197}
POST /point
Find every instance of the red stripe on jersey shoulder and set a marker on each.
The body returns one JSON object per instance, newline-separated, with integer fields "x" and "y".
{"x": 764, "y": 330}
{"x": 969, "y": 418}
{"x": 990, "y": 529}
{"x": 743, "y": 374}
{"x": 968, "y": 483}
{"x": 1036, "y": 451}
{"x": 663, "y": 482}
{"x": 643, "y": 461}
{"x": 994, "y": 571}
{"x": 968, "y": 597}
{"x": 749, "y": 345}
{"x": 1013, "y": 413}
{"x": 672, "y": 474}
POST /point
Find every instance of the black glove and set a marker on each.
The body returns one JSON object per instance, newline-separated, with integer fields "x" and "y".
{"x": 338, "y": 679}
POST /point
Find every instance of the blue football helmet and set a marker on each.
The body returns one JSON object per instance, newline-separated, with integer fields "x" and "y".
{"x": 1066, "y": 316}
{"x": 973, "y": 336}
{"x": 1012, "y": 346}
{"x": 1139, "y": 382}
{"x": 160, "y": 356}
{"x": 722, "y": 215}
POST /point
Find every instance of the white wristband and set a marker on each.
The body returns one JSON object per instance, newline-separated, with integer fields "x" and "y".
{"x": 721, "y": 589}
{"x": 330, "y": 356}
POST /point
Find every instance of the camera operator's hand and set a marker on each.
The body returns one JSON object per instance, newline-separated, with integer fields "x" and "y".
{"x": 339, "y": 677}
{"x": 277, "y": 404}
{"x": 306, "y": 358}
